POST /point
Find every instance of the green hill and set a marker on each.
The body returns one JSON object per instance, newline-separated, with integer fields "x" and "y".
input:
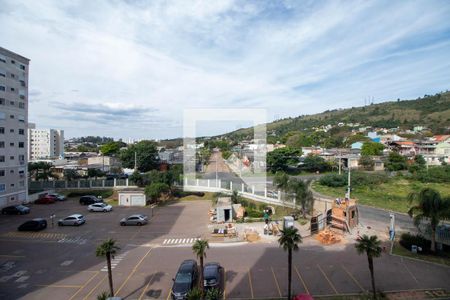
{"x": 429, "y": 111}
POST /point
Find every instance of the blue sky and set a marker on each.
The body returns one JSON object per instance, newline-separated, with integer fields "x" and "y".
{"x": 130, "y": 68}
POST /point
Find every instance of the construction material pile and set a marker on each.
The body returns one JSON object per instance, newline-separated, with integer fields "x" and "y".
{"x": 251, "y": 235}
{"x": 328, "y": 237}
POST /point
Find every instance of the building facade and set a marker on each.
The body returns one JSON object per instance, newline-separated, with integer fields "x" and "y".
{"x": 45, "y": 144}
{"x": 13, "y": 127}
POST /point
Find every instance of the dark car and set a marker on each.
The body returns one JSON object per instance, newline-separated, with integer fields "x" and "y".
{"x": 87, "y": 200}
{"x": 16, "y": 210}
{"x": 46, "y": 199}
{"x": 212, "y": 273}
{"x": 185, "y": 279}
{"x": 33, "y": 225}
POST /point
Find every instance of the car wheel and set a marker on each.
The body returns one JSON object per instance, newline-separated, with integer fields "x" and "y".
{"x": 122, "y": 224}
{"x": 105, "y": 210}
{"x": 60, "y": 224}
{"x": 139, "y": 223}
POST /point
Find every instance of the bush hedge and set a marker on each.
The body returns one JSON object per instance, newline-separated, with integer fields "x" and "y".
{"x": 78, "y": 193}
{"x": 408, "y": 239}
{"x": 437, "y": 174}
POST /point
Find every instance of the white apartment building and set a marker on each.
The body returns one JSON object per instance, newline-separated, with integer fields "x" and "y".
{"x": 13, "y": 127}
{"x": 45, "y": 144}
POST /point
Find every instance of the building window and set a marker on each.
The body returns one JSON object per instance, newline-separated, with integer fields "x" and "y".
{"x": 2, "y": 88}
{"x": 11, "y": 130}
{"x": 12, "y": 184}
{"x": 13, "y": 76}
{"x": 2, "y": 158}
{"x": 11, "y": 171}
{"x": 21, "y": 157}
{"x": 21, "y": 118}
{"x": 22, "y": 97}
{"x": 2, "y": 173}
{"x": 21, "y": 105}
{"x": 11, "y": 157}
{"x": 21, "y": 131}
{"x": 2, "y": 101}
{"x": 2, "y": 144}
{"x": 11, "y": 144}
{"x": 11, "y": 103}
{"x": 2, "y": 59}
{"x": 2, "y": 187}
{"x": 13, "y": 62}
{"x": 21, "y": 144}
{"x": 22, "y": 183}
{"x": 2, "y": 130}
{"x": 12, "y": 89}
{"x": 22, "y": 83}
{"x": 22, "y": 67}
{"x": 11, "y": 116}
{"x": 2, "y": 74}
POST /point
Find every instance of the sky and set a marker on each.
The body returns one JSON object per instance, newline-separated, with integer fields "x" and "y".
{"x": 129, "y": 69}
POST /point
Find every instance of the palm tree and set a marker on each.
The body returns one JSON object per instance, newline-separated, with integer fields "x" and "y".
{"x": 108, "y": 249}
{"x": 199, "y": 249}
{"x": 235, "y": 199}
{"x": 289, "y": 241}
{"x": 302, "y": 194}
{"x": 429, "y": 205}
{"x": 371, "y": 246}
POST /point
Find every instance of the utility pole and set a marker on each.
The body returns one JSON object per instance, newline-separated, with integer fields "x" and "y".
{"x": 349, "y": 185}
{"x": 340, "y": 162}
{"x": 135, "y": 161}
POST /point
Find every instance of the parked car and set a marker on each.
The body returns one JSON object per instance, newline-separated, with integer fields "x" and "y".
{"x": 72, "y": 220}
{"x": 185, "y": 279}
{"x": 58, "y": 197}
{"x": 15, "y": 210}
{"x": 86, "y": 200}
{"x": 100, "y": 207}
{"x": 33, "y": 225}
{"x": 134, "y": 220}
{"x": 46, "y": 199}
{"x": 212, "y": 273}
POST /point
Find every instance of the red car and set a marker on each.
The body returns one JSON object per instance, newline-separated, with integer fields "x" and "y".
{"x": 47, "y": 199}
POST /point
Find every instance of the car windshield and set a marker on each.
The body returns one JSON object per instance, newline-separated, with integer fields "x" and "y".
{"x": 20, "y": 207}
{"x": 183, "y": 278}
{"x": 210, "y": 273}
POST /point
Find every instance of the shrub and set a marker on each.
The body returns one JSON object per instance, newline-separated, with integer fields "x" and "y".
{"x": 180, "y": 193}
{"x": 408, "y": 239}
{"x": 254, "y": 213}
{"x": 195, "y": 294}
{"x": 213, "y": 294}
{"x": 333, "y": 180}
{"x": 438, "y": 174}
{"x": 252, "y": 206}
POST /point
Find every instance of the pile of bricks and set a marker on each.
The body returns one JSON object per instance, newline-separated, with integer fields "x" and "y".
{"x": 328, "y": 237}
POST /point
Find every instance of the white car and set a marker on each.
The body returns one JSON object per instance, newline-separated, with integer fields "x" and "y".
{"x": 100, "y": 207}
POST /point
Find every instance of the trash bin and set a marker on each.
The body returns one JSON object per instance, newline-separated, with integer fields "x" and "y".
{"x": 288, "y": 221}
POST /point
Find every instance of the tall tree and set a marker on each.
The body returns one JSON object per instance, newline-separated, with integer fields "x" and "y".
{"x": 313, "y": 163}
{"x": 372, "y": 148}
{"x": 429, "y": 205}
{"x": 396, "y": 162}
{"x": 371, "y": 247}
{"x": 111, "y": 148}
{"x": 281, "y": 181}
{"x": 289, "y": 240}
{"x": 146, "y": 156}
{"x": 283, "y": 158}
{"x": 199, "y": 249}
{"x": 108, "y": 249}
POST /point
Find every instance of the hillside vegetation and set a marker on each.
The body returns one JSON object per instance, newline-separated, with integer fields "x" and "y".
{"x": 430, "y": 111}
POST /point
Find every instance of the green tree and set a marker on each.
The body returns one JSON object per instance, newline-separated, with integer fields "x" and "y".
{"x": 289, "y": 240}
{"x": 282, "y": 158}
{"x": 235, "y": 198}
{"x": 137, "y": 178}
{"x": 146, "y": 156}
{"x": 94, "y": 173}
{"x": 71, "y": 174}
{"x": 371, "y": 247}
{"x": 430, "y": 206}
{"x": 199, "y": 249}
{"x": 155, "y": 189}
{"x": 372, "y": 148}
{"x": 40, "y": 170}
{"x": 108, "y": 249}
{"x": 367, "y": 162}
{"x": 281, "y": 181}
{"x": 396, "y": 162}
{"x": 302, "y": 194}
{"x": 314, "y": 163}
{"x": 356, "y": 138}
{"x": 111, "y": 148}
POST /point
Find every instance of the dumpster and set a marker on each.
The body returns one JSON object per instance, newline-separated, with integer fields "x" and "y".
{"x": 288, "y": 221}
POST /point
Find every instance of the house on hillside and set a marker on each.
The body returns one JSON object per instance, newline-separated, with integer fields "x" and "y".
{"x": 357, "y": 146}
{"x": 443, "y": 150}
{"x": 405, "y": 148}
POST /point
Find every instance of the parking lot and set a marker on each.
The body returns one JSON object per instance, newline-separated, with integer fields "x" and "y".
{"x": 60, "y": 263}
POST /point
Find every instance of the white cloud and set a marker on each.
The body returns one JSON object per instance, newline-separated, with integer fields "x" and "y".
{"x": 290, "y": 57}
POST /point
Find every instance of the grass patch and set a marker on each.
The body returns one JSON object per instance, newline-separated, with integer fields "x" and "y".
{"x": 391, "y": 195}
{"x": 443, "y": 259}
{"x": 113, "y": 202}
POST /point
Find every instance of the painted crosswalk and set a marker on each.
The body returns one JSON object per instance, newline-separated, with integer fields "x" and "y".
{"x": 180, "y": 241}
{"x": 73, "y": 240}
{"x": 34, "y": 235}
{"x": 115, "y": 261}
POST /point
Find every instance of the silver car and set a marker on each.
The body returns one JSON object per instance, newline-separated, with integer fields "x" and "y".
{"x": 134, "y": 220}
{"x": 72, "y": 220}
{"x": 100, "y": 207}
